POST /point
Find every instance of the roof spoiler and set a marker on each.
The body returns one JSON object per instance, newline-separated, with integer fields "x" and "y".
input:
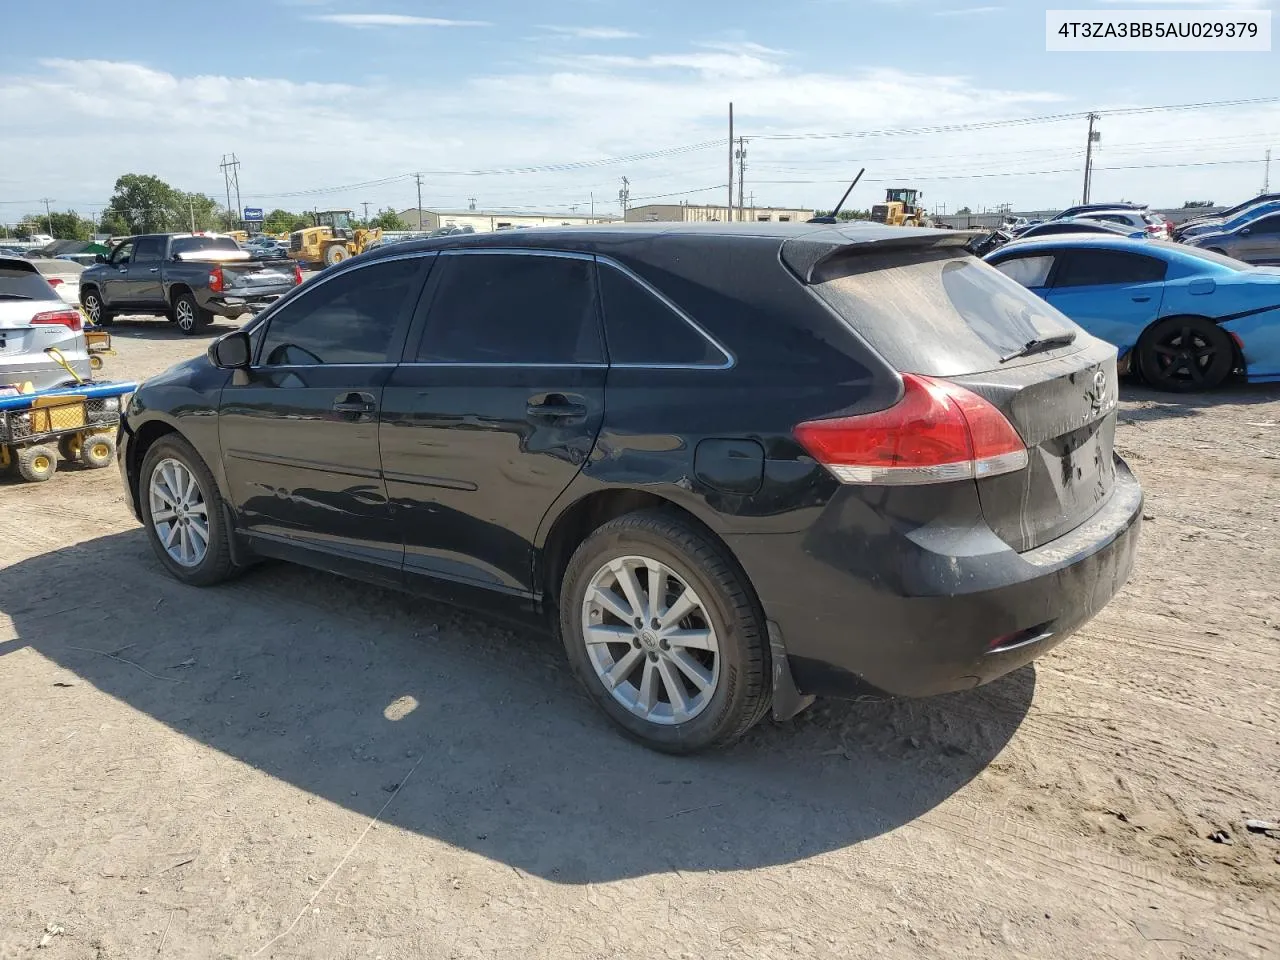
{"x": 809, "y": 256}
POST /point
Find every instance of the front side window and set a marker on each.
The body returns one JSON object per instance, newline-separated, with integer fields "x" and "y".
{"x": 1090, "y": 268}
{"x": 350, "y": 318}
{"x": 513, "y": 308}
{"x": 148, "y": 249}
{"x": 1270, "y": 225}
{"x": 123, "y": 253}
{"x": 1028, "y": 271}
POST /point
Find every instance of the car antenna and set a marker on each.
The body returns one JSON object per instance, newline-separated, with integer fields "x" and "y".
{"x": 831, "y": 217}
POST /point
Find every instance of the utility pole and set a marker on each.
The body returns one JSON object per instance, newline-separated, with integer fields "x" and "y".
{"x": 191, "y": 206}
{"x": 418, "y": 177}
{"x": 1266, "y": 177}
{"x": 624, "y": 195}
{"x": 1094, "y": 137}
{"x": 729, "y": 208}
{"x": 471, "y": 203}
{"x": 231, "y": 180}
{"x": 742, "y": 175}
{"x": 593, "y": 206}
{"x": 365, "y": 204}
{"x": 47, "y": 215}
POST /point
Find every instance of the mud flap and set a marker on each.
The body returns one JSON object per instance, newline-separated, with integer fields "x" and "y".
{"x": 787, "y": 700}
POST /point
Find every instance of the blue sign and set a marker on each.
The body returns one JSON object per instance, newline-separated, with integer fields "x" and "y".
{"x": 253, "y": 214}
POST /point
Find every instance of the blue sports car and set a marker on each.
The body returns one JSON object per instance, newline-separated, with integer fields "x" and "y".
{"x": 1182, "y": 317}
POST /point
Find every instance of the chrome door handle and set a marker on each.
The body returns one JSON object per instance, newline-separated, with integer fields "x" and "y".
{"x": 154, "y": 270}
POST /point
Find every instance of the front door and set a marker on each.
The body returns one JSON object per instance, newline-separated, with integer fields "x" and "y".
{"x": 114, "y": 283}
{"x": 493, "y": 414}
{"x": 299, "y": 430}
{"x": 144, "y": 287}
{"x": 1113, "y": 294}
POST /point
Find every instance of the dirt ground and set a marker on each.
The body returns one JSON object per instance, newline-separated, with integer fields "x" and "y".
{"x": 295, "y": 765}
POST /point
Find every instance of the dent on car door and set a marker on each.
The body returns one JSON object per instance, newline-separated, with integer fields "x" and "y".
{"x": 492, "y": 416}
{"x": 1113, "y": 294}
{"x": 299, "y": 430}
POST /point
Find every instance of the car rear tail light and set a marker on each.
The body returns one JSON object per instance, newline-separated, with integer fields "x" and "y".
{"x": 937, "y": 432}
{"x": 54, "y": 281}
{"x": 64, "y": 318}
{"x": 297, "y": 274}
{"x": 216, "y": 280}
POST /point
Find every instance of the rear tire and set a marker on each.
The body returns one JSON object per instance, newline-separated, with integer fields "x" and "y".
{"x": 708, "y": 673}
{"x": 38, "y": 463}
{"x": 188, "y": 315}
{"x": 171, "y": 462}
{"x": 1185, "y": 354}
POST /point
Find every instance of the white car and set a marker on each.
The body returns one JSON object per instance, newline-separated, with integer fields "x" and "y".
{"x": 33, "y": 318}
{"x": 1152, "y": 224}
{"x": 63, "y": 276}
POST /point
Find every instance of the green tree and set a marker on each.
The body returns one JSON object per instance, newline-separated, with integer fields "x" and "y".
{"x": 282, "y": 221}
{"x": 201, "y": 209}
{"x": 963, "y": 212}
{"x": 388, "y": 219}
{"x": 145, "y": 203}
{"x": 68, "y": 225}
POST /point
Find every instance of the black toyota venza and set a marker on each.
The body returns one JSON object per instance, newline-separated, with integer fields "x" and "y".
{"x": 734, "y": 467}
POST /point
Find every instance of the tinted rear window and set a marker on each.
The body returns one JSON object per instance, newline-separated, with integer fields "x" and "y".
{"x": 190, "y": 244}
{"x": 24, "y": 283}
{"x": 939, "y": 314}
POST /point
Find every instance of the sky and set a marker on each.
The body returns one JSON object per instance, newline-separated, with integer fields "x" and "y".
{"x": 547, "y": 104}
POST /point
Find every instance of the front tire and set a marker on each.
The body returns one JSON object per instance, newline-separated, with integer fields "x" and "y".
{"x": 334, "y": 254}
{"x": 96, "y": 310}
{"x": 664, "y": 631}
{"x": 182, "y": 513}
{"x": 98, "y": 451}
{"x": 1185, "y": 354}
{"x": 38, "y": 463}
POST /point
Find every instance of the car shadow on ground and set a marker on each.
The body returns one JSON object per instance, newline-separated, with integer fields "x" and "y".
{"x": 344, "y": 691}
{"x": 1142, "y": 404}
{"x": 160, "y": 328}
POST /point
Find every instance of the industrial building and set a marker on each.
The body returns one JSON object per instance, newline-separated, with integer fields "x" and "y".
{"x": 487, "y": 221}
{"x": 693, "y": 213}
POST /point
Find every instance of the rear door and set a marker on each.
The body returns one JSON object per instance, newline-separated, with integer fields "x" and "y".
{"x": 1259, "y": 242}
{"x": 299, "y": 430}
{"x": 1113, "y": 294}
{"x": 949, "y": 316}
{"x": 143, "y": 286}
{"x": 492, "y": 414}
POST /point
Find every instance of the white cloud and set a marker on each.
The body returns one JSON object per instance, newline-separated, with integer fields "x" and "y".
{"x": 394, "y": 20}
{"x": 1202, "y": 4}
{"x": 592, "y": 33}
{"x": 66, "y": 139}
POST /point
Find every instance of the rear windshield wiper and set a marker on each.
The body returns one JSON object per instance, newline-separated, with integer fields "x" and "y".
{"x": 1040, "y": 344}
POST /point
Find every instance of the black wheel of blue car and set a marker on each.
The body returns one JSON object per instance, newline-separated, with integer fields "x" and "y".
{"x": 1185, "y": 354}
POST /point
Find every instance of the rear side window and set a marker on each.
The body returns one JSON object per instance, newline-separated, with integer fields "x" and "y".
{"x": 1090, "y": 268}
{"x": 1269, "y": 225}
{"x": 1028, "y": 271}
{"x": 148, "y": 249}
{"x": 21, "y": 282}
{"x": 642, "y": 330}
{"x": 513, "y": 308}
{"x": 191, "y": 244}
{"x": 350, "y": 318}
{"x": 939, "y": 314}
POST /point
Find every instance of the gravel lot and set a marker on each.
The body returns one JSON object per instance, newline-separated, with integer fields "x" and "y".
{"x": 299, "y": 766}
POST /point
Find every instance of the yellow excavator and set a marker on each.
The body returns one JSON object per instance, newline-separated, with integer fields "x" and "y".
{"x": 901, "y": 208}
{"x": 331, "y": 240}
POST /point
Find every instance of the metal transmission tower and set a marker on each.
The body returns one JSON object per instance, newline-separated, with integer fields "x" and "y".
{"x": 624, "y": 195}
{"x": 231, "y": 179}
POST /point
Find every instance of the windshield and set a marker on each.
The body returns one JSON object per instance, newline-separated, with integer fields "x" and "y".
{"x": 1221, "y": 259}
{"x": 940, "y": 314}
{"x": 21, "y": 282}
{"x": 193, "y": 244}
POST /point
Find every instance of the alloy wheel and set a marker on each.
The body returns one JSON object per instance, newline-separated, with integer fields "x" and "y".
{"x": 93, "y": 306}
{"x": 651, "y": 640}
{"x": 185, "y": 314}
{"x": 1184, "y": 356}
{"x": 179, "y": 514}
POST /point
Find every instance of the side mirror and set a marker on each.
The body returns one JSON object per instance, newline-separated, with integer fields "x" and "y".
{"x": 99, "y": 258}
{"x": 232, "y": 351}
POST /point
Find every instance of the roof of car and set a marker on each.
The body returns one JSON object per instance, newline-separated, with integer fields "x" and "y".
{"x": 1084, "y": 240}
{"x": 802, "y": 245}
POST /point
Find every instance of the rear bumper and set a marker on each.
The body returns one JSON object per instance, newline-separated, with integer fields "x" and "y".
{"x": 232, "y": 305}
{"x": 930, "y": 611}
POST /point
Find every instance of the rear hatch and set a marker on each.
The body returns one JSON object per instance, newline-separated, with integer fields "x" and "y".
{"x": 24, "y": 295}
{"x": 938, "y": 312}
